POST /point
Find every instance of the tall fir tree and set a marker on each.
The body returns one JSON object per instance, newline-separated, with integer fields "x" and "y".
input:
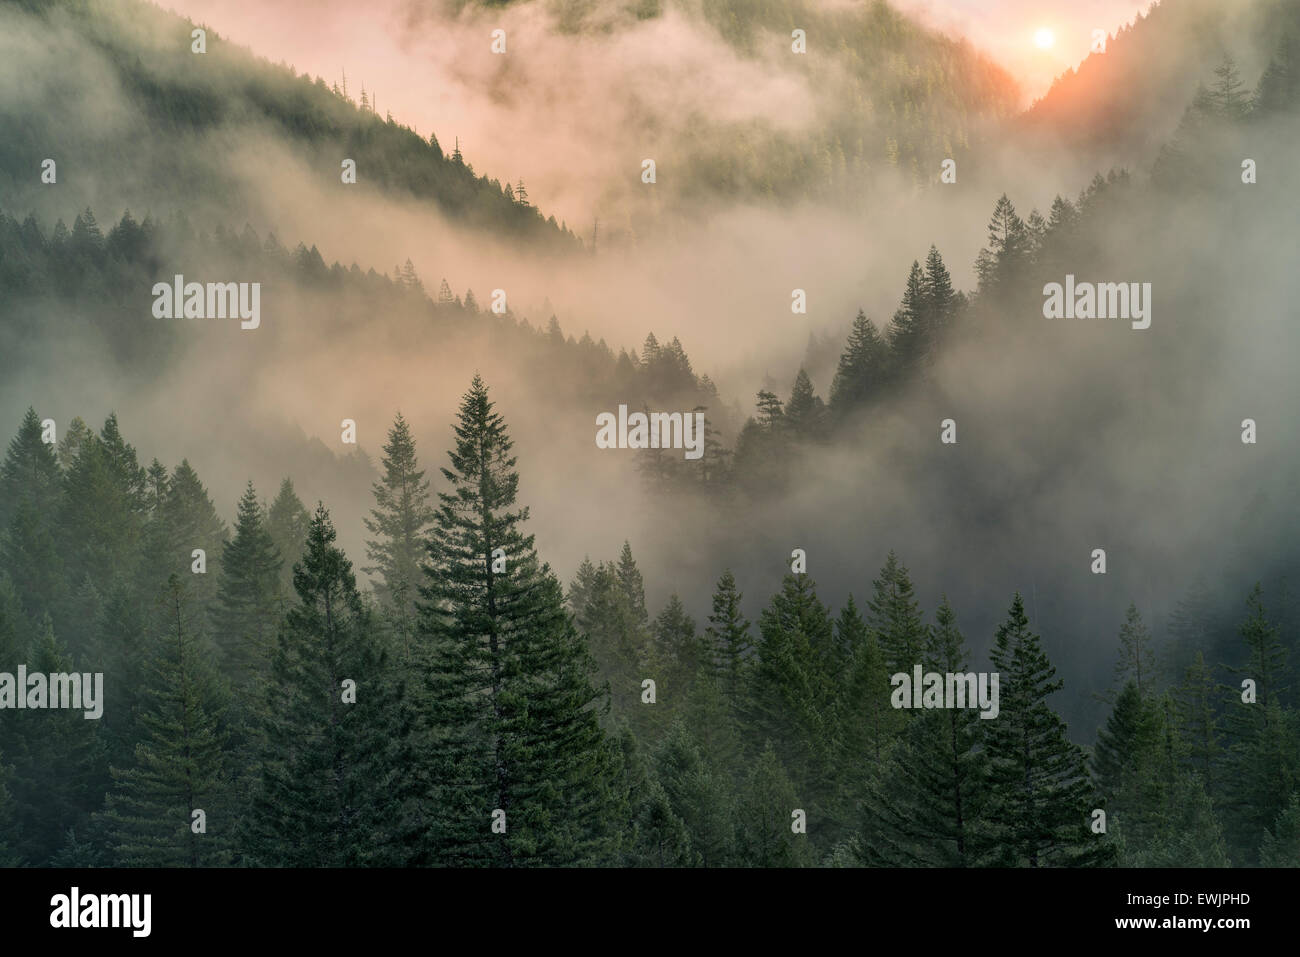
{"x": 941, "y": 304}
{"x": 619, "y": 641}
{"x": 1041, "y": 792}
{"x": 907, "y": 330}
{"x": 1262, "y": 761}
{"x": 699, "y": 795}
{"x": 400, "y": 523}
{"x": 1199, "y": 722}
{"x": 928, "y": 808}
{"x": 895, "y": 618}
{"x": 1136, "y": 661}
{"x": 680, "y": 652}
{"x": 247, "y": 615}
{"x": 192, "y": 523}
{"x": 870, "y": 723}
{"x": 728, "y": 633}
{"x": 512, "y": 716}
{"x": 324, "y": 798}
{"x": 793, "y": 702}
{"x": 30, "y": 472}
{"x": 764, "y": 809}
{"x": 103, "y": 507}
{"x": 60, "y": 769}
{"x": 1266, "y": 658}
{"x": 863, "y": 370}
{"x": 287, "y": 522}
{"x": 1002, "y": 261}
{"x": 805, "y": 413}
{"x": 172, "y": 807}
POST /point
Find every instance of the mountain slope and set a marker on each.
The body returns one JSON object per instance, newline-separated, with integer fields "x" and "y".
{"x": 1120, "y": 106}
{"x": 115, "y": 94}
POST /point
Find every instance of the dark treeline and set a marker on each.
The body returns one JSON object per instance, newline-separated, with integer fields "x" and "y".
{"x": 101, "y": 281}
{"x": 468, "y": 711}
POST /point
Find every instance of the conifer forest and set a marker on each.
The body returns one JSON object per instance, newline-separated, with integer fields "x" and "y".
{"x": 649, "y": 434}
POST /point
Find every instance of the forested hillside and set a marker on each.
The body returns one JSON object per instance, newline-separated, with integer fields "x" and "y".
{"x": 505, "y": 644}
{"x": 1123, "y": 102}
{"x": 159, "y": 123}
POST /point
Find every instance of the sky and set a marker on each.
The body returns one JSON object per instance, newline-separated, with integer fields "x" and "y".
{"x": 1007, "y": 29}
{"x": 330, "y": 36}
{"x": 570, "y": 98}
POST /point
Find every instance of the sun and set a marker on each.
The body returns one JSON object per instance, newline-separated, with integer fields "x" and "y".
{"x": 1044, "y": 39}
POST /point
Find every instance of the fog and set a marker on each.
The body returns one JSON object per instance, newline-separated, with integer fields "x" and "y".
{"x": 1072, "y": 435}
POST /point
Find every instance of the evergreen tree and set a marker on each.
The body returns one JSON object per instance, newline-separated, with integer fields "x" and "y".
{"x": 771, "y": 416}
{"x": 60, "y": 770}
{"x": 29, "y": 551}
{"x": 632, "y": 585}
{"x": 323, "y": 799}
{"x": 1121, "y": 743}
{"x": 792, "y": 700}
{"x": 400, "y": 521}
{"x": 895, "y": 618}
{"x": 511, "y": 715}
{"x": 1136, "y": 660}
{"x": 618, "y": 638}
{"x": 30, "y": 473}
{"x": 728, "y": 632}
{"x": 1185, "y": 831}
{"x": 715, "y": 725}
{"x": 287, "y": 522}
{"x": 77, "y": 435}
{"x": 1041, "y": 793}
{"x": 1001, "y": 261}
{"x": 179, "y": 765}
{"x": 1281, "y": 846}
{"x": 927, "y": 808}
{"x": 698, "y": 796}
{"x": 1263, "y": 770}
{"x": 1198, "y": 722}
{"x": 192, "y": 522}
{"x": 870, "y": 722}
{"x": 247, "y": 614}
{"x": 1136, "y": 764}
{"x": 805, "y": 413}
{"x": 122, "y": 650}
{"x": 940, "y": 299}
{"x": 1228, "y": 96}
{"x": 655, "y": 835}
{"x": 764, "y": 837}
{"x": 907, "y": 330}
{"x": 680, "y": 652}
{"x": 1266, "y": 662}
{"x": 101, "y": 520}
{"x": 1279, "y": 87}
{"x": 580, "y": 588}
